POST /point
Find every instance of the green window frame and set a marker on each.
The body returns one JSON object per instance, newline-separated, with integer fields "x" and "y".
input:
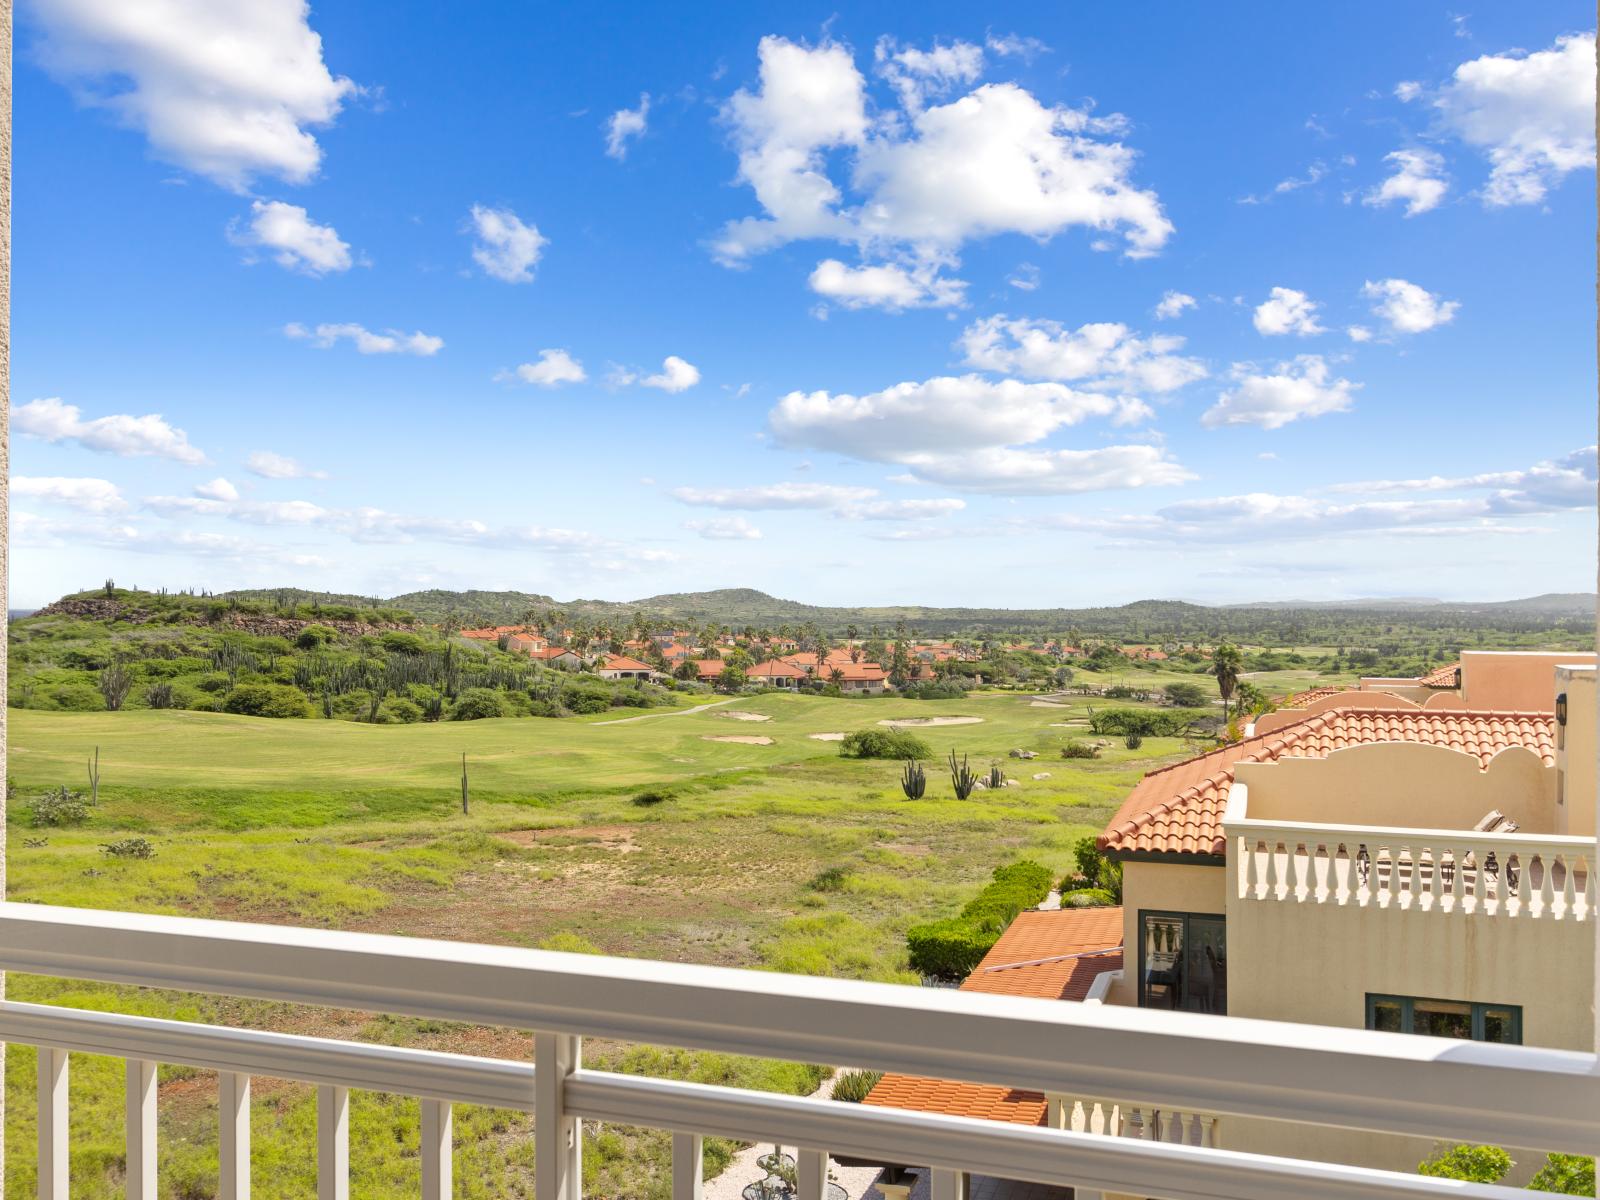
{"x": 1477, "y": 1021}
{"x": 1183, "y": 961}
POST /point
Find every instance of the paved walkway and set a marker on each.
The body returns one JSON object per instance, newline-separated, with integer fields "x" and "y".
{"x": 742, "y": 1171}
{"x": 677, "y": 712}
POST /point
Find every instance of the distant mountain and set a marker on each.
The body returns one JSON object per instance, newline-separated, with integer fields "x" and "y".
{"x": 1564, "y": 604}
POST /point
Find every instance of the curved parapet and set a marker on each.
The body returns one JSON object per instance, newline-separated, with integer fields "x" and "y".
{"x": 1268, "y": 722}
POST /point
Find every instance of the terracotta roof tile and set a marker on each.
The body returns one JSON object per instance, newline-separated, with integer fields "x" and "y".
{"x": 1178, "y": 810}
{"x": 958, "y": 1099}
{"x": 1444, "y": 677}
{"x": 621, "y": 662}
{"x": 775, "y": 667}
{"x": 1310, "y": 696}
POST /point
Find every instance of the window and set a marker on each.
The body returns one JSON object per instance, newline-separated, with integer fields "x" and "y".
{"x": 1446, "y": 1018}
{"x": 1183, "y": 962}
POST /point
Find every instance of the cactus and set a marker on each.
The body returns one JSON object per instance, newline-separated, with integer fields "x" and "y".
{"x": 466, "y": 796}
{"x": 961, "y": 777}
{"x": 913, "y": 780}
{"x": 997, "y": 777}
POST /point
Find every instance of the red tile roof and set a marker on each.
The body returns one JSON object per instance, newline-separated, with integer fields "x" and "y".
{"x": 708, "y": 666}
{"x": 1178, "y": 810}
{"x": 1310, "y": 696}
{"x": 547, "y": 652}
{"x": 1444, "y": 677}
{"x": 621, "y": 662}
{"x": 775, "y": 667}
{"x": 1013, "y": 968}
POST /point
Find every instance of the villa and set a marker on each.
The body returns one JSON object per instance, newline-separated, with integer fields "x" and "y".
{"x": 619, "y": 666}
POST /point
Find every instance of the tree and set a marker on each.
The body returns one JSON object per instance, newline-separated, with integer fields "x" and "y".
{"x": 732, "y": 678}
{"x": 1470, "y": 1164}
{"x": 1226, "y": 663}
{"x": 1185, "y": 695}
{"x": 1566, "y": 1175}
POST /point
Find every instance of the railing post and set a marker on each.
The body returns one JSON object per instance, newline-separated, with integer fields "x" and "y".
{"x": 688, "y": 1166}
{"x": 140, "y": 1170}
{"x": 811, "y": 1174}
{"x": 438, "y": 1130}
{"x": 52, "y": 1123}
{"x": 333, "y": 1143}
{"x": 949, "y": 1185}
{"x": 557, "y": 1135}
{"x": 233, "y": 1136}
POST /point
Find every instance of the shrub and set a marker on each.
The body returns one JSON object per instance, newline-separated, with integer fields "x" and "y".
{"x": 952, "y": 948}
{"x": 1471, "y": 1164}
{"x": 652, "y": 797}
{"x": 1186, "y": 695}
{"x": 401, "y": 711}
{"x": 1080, "y": 750}
{"x": 315, "y": 636}
{"x": 1087, "y": 898}
{"x": 1133, "y": 741}
{"x": 58, "y": 807}
{"x": 398, "y": 642}
{"x": 829, "y": 879}
{"x": 1566, "y": 1175}
{"x": 852, "y": 1086}
{"x": 267, "y": 700}
{"x": 585, "y": 701}
{"x": 160, "y": 695}
{"x": 883, "y": 743}
{"x": 939, "y": 689}
{"x": 477, "y": 704}
{"x": 1095, "y": 871}
{"x": 129, "y": 847}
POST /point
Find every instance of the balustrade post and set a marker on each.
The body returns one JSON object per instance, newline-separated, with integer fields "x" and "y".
{"x": 233, "y": 1141}
{"x": 688, "y": 1166}
{"x": 949, "y": 1185}
{"x": 333, "y": 1143}
{"x": 438, "y": 1133}
{"x": 52, "y": 1124}
{"x": 557, "y": 1134}
{"x": 140, "y": 1129}
{"x": 811, "y": 1174}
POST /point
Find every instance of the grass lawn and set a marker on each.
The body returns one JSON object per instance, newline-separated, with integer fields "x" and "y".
{"x": 728, "y": 860}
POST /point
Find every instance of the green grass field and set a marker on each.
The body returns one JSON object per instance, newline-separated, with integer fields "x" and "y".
{"x": 360, "y": 827}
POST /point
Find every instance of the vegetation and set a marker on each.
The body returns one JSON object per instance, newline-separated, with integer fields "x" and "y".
{"x": 961, "y": 777}
{"x": 884, "y": 743}
{"x": 1470, "y": 1164}
{"x": 57, "y": 807}
{"x": 913, "y": 780}
{"x": 852, "y": 1086}
{"x": 952, "y": 948}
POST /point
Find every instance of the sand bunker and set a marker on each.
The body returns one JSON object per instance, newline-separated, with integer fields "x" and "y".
{"x": 826, "y": 737}
{"x": 744, "y": 716}
{"x": 923, "y": 721}
{"x": 1047, "y": 704}
{"x": 743, "y": 741}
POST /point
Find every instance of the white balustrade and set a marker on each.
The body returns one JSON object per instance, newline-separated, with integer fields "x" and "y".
{"x": 1516, "y": 875}
{"x": 1174, "y": 1070}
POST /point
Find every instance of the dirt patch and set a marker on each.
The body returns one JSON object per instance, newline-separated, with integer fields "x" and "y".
{"x": 741, "y": 739}
{"x": 826, "y": 737}
{"x": 929, "y": 721}
{"x": 575, "y": 837}
{"x": 744, "y": 716}
{"x": 913, "y": 849}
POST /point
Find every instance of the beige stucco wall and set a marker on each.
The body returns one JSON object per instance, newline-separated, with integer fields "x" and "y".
{"x": 1403, "y": 784}
{"x": 1576, "y": 752}
{"x": 1406, "y": 689}
{"x": 1267, "y": 722}
{"x": 1513, "y": 682}
{"x": 1169, "y": 888}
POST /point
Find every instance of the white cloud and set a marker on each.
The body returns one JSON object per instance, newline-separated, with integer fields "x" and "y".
{"x": 925, "y": 180}
{"x": 725, "y": 529}
{"x": 625, "y": 125}
{"x": 1173, "y": 305}
{"x": 277, "y": 466}
{"x": 1531, "y": 114}
{"x": 902, "y": 510}
{"x": 1287, "y": 311}
{"x": 920, "y": 75}
{"x": 1025, "y": 278}
{"x": 505, "y": 247}
{"x": 1359, "y": 333}
{"x": 125, "y": 436}
{"x": 1407, "y": 90}
{"x": 1407, "y": 308}
{"x": 775, "y": 496}
{"x": 885, "y": 286}
{"x": 675, "y": 375}
{"x": 554, "y": 368}
{"x": 89, "y": 495}
{"x": 1008, "y": 44}
{"x": 225, "y": 88}
{"x": 296, "y": 241}
{"x": 217, "y": 489}
{"x": 390, "y": 341}
{"x": 1418, "y": 182}
{"x": 1315, "y": 173}
{"x": 1556, "y": 484}
{"x": 1301, "y": 388}
{"x": 1104, "y": 354}
{"x": 33, "y": 530}
{"x": 1012, "y": 472}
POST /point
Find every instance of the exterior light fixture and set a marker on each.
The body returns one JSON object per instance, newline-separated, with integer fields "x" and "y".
{"x": 1561, "y": 709}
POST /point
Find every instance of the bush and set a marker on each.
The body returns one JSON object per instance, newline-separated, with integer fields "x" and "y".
{"x": 57, "y": 808}
{"x": 477, "y": 704}
{"x": 1095, "y": 871}
{"x": 1566, "y": 1175}
{"x": 267, "y": 700}
{"x": 584, "y": 701}
{"x": 939, "y": 689}
{"x": 1087, "y": 898}
{"x": 852, "y": 1086}
{"x": 829, "y": 879}
{"x": 952, "y": 948}
{"x": 652, "y": 797}
{"x": 1186, "y": 695}
{"x": 1080, "y": 750}
{"x": 1133, "y": 741}
{"x": 160, "y": 695}
{"x": 883, "y": 743}
{"x": 398, "y": 642}
{"x": 400, "y": 711}
{"x": 131, "y": 847}
{"x": 1471, "y": 1164}
{"x": 314, "y": 636}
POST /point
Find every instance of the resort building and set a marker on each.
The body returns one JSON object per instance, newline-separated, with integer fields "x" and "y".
{"x": 619, "y": 666}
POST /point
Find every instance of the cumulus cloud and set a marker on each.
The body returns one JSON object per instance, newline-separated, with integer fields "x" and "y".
{"x": 88, "y": 495}
{"x": 1301, "y": 388}
{"x": 504, "y": 245}
{"x": 217, "y": 489}
{"x": 725, "y": 529}
{"x": 554, "y": 368}
{"x": 276, "y": 466}
{"x": 888, "y": 286}
{"x": 295, "y": 241}
{"x": 1418, "y": 182}
{"x": 33, "y": 530}
{"x": 924, "y": 177}
{"x": 1016, "y": 472}
{"x": 774, "y": 496}
{"x": 1407, "y": 308}
{"x": 1104, "y": 355}
{"x": 1407, "y": 90}
{"x": 1532, "y": 115}
{"x": 1010, "y": 44}
{"x": 228, "y": 89}
{"x": 902, "y": 510}
{"x": 626, "y": 125}
{"x": 1173, "y": 305}
{"x": 1567, "y": 482}
{"x": 1287, "y": 311}
{"x": 390, "y": 341}
{"x": 1358, "y": 333}
{"x": 126, "y": 436}
{"x": 675, "y": 375}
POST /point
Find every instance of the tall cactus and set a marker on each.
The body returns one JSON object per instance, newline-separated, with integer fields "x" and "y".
{"x": 997, "y": 777}
{"x": 913, "y": 780}
{"x": 961, "y": 777}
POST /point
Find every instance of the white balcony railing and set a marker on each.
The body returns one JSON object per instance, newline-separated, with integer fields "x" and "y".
{"x": 1174, "y": 1062}
{"x": 1516, "y": 875}
{"x": 1111, "y": 1118}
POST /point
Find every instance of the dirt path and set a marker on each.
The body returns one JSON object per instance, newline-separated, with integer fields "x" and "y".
{"x": 677, "y": 712}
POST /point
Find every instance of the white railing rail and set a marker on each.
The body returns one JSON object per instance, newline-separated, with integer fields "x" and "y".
{"x": 1514, "y": 875}
{"x": 1175, "y": 1062}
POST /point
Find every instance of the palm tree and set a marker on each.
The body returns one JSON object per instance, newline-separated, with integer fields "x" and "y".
{"x": 1226, "y": 663}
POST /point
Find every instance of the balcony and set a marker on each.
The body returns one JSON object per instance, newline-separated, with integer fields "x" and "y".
{"x": 1171, "y": 1062}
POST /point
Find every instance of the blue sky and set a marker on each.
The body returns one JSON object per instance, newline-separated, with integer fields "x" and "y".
{"x": 850, "y": 307}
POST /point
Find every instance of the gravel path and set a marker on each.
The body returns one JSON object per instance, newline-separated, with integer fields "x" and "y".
{"x": 677, "y": 712}
{"x": 742, "y": 1171}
